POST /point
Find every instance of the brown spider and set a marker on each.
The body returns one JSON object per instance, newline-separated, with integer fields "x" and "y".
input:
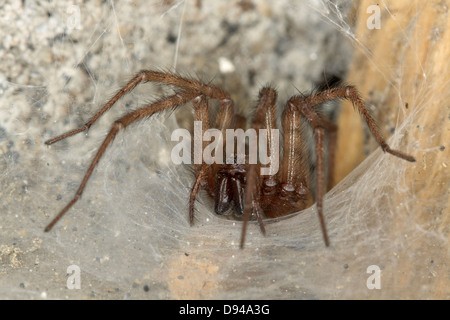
{"x": 240, "y": 185}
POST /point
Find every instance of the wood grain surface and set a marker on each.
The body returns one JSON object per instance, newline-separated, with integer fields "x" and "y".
{"x": 402, "y": 70}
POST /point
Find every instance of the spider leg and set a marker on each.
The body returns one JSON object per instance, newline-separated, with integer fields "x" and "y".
{"x": 294, "y": 157}
{"x": 127, "y": 88}
{"x": 316, "y": 122}
{"x": 252, "y": 204}
{"x": 294, "y": 173}
{"x": 264, "y": 118}
{"x": 200, "y": 114}
{"x": 305, "y": 106}
{"x": 202, "y": 174}
{"x": 162, "y": 77}
{"x": 203, "y": 170}
{"x": 169, "y": 102}
{"x": 331, "y": 130}
{"x": 351, "y": 93}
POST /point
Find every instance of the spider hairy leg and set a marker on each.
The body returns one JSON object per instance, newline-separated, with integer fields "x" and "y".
{"x": 189, "y": 90}
{"x": 127, "y": 88}
{"x": 170, "y": 102}
{"x": 320, "y": 134}
{"x": 351, "y": 93}
{"x": 153, "y": 76}
{"x": 264, "y": 118}
{"x": 201, "y": 175}
{"x": 201, "y": 114}
{"x": 306, "y": 107}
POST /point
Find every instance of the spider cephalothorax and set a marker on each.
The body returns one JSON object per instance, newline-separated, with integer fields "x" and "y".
{"x": 241, "y": 186}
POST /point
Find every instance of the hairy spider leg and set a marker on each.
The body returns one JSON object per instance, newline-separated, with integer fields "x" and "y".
{"x": 155, "y": 76}
{"x": 264, "y": 118}
{"x": 204, "y": 171}
{"x": 170, "y": 102}
{"x": 306, "y": 107}
{"x": 192, "y": 88}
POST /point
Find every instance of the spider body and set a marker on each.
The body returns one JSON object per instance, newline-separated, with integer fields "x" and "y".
{"x": 249, "y": 188}
{"x": 228, "y": 193}
{"x": 227, "y": 189}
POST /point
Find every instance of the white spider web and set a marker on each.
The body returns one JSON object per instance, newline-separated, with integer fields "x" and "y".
{"x": 130, "y": 228}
